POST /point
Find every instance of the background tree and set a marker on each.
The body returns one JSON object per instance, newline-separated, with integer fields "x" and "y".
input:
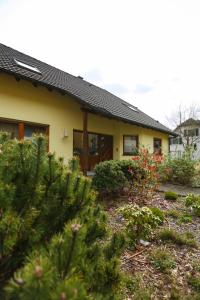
{"x": 184, "y": 120}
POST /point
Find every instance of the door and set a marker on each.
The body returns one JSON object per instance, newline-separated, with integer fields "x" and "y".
{"x": 100, "y": 148}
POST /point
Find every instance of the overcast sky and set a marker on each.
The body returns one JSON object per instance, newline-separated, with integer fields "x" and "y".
{"x": 145, "y": 51}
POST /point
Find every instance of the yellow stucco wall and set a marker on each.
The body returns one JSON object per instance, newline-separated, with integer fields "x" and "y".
{"x": 22, "y": 101}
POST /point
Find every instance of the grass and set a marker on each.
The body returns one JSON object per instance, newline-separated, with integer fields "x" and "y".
{"x": 184, "y": 217}
{"x": 137, "y": 288}
{"x": 162, "y": 260}
{"x": 194, "y": 282}
{"x": 196, "y": 265}
{"x": 173, "y": 213}
{"x": 170, "y": 235}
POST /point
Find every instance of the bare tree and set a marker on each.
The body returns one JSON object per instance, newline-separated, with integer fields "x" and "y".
{"x": 185, "y": 121}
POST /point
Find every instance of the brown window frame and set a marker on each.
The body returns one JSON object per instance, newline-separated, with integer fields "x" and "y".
{"x": 137, "y": 144}
{"x": 21, "y": 127}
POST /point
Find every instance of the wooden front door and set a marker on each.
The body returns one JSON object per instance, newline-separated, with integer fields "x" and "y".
{"x": 100, "y": 148}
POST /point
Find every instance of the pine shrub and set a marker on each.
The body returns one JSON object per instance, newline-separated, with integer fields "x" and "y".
{"x": 54, "y": 242}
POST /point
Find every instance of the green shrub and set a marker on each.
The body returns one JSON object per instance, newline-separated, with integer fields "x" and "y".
{"x": 109, "y": 177}
{"x": 170, "y": 235}
{"x": 130, "y": 169}
{"x": 54, "y": 242}
{"x": 158, "y": 213}
{"x": 178, "y": 170}
{"x": 139, "y": 175}
{"x": 162, "y": 260}
{"x": 140, "y": 221}
{"x": 193, "y": 202}
{"x": 170, "y": 195}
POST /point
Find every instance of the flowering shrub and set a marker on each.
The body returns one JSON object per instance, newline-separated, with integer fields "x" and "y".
{"x": 147, "y": 179}
{"x": 140, "y": 221}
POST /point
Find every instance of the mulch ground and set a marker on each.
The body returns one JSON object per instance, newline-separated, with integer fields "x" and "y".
{"x": 137, "y": 263}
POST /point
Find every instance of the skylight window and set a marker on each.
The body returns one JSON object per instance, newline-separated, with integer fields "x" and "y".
{"x": 26, "y": 66}
{"x": 131, "y": 107}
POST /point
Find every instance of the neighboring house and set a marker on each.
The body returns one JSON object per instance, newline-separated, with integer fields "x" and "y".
{"x": 79, "y": 118}
{"x": 188, "y": 137}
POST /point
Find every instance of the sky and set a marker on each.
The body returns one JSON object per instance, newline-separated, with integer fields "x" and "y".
{"x": 147, "y": 52}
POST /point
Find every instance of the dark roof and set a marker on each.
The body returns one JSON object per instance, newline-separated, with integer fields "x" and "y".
{"x": 93, "y": 97}
{"x": 189, "y": 122}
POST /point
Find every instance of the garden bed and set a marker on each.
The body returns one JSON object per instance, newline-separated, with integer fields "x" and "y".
{"x": 147, "y": 281}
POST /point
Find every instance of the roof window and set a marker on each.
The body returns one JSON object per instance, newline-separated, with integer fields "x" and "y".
{"x": 26, "y": 66}
{"x": 131, "y": 107}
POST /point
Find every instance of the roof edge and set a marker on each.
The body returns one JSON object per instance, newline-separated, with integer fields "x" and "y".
{"x": 89, "y": 107}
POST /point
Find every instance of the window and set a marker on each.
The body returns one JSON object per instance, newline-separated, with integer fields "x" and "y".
{"x": 191, "y": 132}
{"x": 22, "y": 130}
{"x": 176, "y": 141}
{"x": 27, "y": 66}
{"x": 130, "y": 107}
{"x": 10, "y": 127}
{"x": 130, "y": 145}
{"x": 157, "y": 145}
{"x": 93, "y": 144}
{"x": 77, "y": 143}
{"x": 30, "y": 129}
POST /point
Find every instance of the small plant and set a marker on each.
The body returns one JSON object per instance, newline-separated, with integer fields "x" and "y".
{"x": 170, "y": 195}
{"x": 193, "y": 202}
{"x": 196, "y": 265}
{"x": 162, "y": 260}
{"x": 173, "y": 213}
{"x": 185, "y": 218}
{"x": 170, "y": 235}
{"x": 194, "y": 282}
{"x": 158, "y": 213}
{"x": 140, "y": 221}
{"x": 175, "y": 294}
{"x": 137, "y": 288}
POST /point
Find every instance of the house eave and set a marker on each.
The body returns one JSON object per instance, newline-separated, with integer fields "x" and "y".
{"x": 89, "y": 108}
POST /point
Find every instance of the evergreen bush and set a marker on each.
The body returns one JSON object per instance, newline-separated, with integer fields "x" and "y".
{"x": 54, "y": 242}
{"x": 170, "y": 195}
{"x": 109, "y": 177}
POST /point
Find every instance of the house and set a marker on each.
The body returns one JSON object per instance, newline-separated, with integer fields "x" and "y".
{"x": 188, "y": 137}
{"x": 80, "y": 118}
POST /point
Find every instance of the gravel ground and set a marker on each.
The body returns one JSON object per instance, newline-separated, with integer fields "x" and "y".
{"x": 138, "y": 262}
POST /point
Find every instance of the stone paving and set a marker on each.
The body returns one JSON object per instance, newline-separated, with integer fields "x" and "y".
{"x": 179, "y": 189}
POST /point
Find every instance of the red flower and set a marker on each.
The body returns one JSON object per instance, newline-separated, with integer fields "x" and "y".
{"x": 135, "y": 158}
